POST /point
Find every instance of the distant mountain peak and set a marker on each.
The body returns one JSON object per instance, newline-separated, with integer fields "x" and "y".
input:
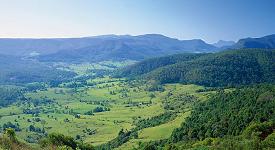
{"x": 153, "y": 36}
{"x": 266, "y": 42}
{"x": 110, "y": 36}
{"x": 223, "y": 43}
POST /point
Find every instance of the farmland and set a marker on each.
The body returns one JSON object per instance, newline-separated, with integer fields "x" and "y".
{"x": 73, "y": 111}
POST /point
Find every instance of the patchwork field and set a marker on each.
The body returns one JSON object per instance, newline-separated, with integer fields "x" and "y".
{"x": 95, "y": 114}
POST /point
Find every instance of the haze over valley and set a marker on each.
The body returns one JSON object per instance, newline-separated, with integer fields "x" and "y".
{"x": 154, "y": 75}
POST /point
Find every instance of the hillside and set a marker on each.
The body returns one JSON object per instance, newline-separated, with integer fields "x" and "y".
{"x": 154, "y": 63}
{"x": 266, "y": 42}
{"x": 213, "y": 125}
{"x": 15, "y": 70}
{"x": 214, "y": 117}
{"x": 229, "y": 68}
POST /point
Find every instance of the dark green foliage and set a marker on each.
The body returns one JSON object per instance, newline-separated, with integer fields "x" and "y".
{"x": 9, "y": 141}
{"x": 96, "y": 110}
{"x": 261, "y": 130}
{"x": 32, "y": 128}
{"x": 269, "y": 141}
{"x": 123, "y": 137}
{"x": 9, "y": 95}
{"x": 155, "y": 87}
{"x": 150, "y": 147}
{"x": 10, "y": 125}
{"x": 251, "y": 139}
{"x": 154, "y": 121}
{"x": 35, "y": 86}
{"x": 56, "y": 139}
{"x": 156, "y": 145}
{"x": 101, "y": 109}
{"x": 91, "y": 112}
{"x": 228, "y": 68}
{"x": 154, "y": 63}
{"x": 84, "y": 146}
{"x": 10, "y": 132}
{"x": 178, "y": 102}
{"x": 229, "y": 113}
{"x": 59, "y": 139}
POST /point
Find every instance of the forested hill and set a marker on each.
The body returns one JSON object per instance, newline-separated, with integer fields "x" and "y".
{"x": 228, "y": 68}
{"x": 154, "y": 63}
{"x": 246, "y": 111}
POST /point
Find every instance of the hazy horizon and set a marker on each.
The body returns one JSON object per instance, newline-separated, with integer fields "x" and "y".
{"x": 207, "y": 20}
{"x": 68, "y": 37}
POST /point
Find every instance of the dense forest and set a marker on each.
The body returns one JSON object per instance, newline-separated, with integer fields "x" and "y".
{"x": 228, "y": 68}
{"x": 229, "y": 113}
{"x": 154, "y": 63}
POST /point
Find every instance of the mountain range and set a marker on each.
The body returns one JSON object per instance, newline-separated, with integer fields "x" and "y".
{"x": 119, "y": 47}
{"x": 113, "y": 43}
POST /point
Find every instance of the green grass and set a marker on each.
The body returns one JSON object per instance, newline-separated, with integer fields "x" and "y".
{"x": 164, "y": 131}
{"x": 106, "y": 124}
{"x": 81, "y": 69}
{"x": 5, "y": 111}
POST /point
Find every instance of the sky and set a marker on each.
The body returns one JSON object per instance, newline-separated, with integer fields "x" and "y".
{"x": 210, "y": 20}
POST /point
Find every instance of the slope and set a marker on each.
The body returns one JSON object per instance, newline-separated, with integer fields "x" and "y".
{"x": 228, "y": 68}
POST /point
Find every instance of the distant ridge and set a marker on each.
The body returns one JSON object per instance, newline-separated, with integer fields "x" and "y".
{"x": 266, "y": 42}
{"x": 103, "y": 47}
{"x": 119, "y": 47}
{"x": 222, "y": 43}
{"x": 114, "y": 47}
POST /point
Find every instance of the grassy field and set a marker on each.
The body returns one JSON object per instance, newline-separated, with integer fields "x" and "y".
{"x": 83, "y": 68}
{"x": 164, "y": 131}
{"x": 127, "y": 102}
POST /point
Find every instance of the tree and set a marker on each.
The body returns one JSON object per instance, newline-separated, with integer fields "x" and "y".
{"x": 11, "y": 134}
{"x": 152, "y": 95}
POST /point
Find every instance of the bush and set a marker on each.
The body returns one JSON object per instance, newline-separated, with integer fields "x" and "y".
{"x": 269, "y": 142}
{"x": 63, "y": 142}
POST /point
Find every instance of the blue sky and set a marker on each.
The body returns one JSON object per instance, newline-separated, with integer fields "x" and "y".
{"x": 209, "y": 20}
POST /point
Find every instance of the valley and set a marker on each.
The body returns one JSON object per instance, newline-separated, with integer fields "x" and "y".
{"x": 137, "y": 75}
{"x": 118, "y": 105}
{"x": 178, "y": 101}
{"x": 73, "y": 111}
